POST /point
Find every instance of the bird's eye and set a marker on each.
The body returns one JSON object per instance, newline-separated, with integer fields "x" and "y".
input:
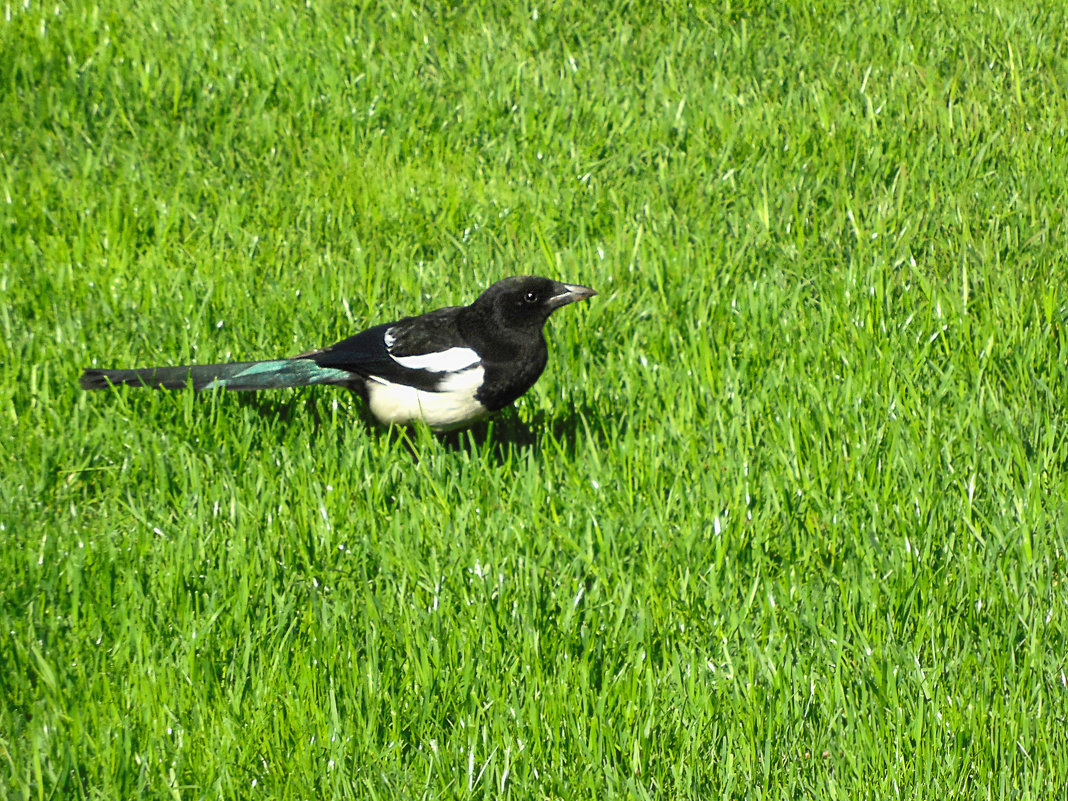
{"x": 531, "y": 296}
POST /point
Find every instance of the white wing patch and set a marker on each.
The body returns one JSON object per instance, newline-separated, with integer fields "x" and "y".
{"x": 453, "y": 405}
{"x": 445, "y": 361}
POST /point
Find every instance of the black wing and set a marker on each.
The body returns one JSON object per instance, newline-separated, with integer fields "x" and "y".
{"x": 373, "y": 353}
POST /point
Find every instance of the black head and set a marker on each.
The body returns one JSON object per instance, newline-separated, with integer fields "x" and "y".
{"x": 505, "y": 327}
{"x": 524, "y": 302}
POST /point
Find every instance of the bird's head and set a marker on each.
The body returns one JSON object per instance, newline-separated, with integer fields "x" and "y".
{"x": 524, "y": 302}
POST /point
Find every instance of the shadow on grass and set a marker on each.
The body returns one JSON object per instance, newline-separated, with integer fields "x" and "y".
{"x": 500, "y": 437}
{"x": 504, "y": 435}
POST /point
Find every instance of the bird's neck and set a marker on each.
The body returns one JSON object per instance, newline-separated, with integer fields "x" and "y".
{"x": 498, "y": 344}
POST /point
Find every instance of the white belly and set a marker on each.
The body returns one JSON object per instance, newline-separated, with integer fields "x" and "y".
{"x": 454, "y": 405}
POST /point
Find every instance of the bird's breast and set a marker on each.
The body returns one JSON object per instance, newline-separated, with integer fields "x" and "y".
{"x": 503, "y": 383}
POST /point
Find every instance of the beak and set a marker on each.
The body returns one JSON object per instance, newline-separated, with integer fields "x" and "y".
{"x": 570, "y": 293}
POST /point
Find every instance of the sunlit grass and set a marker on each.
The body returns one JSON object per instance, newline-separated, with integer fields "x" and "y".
{"x": 784, "y": 518}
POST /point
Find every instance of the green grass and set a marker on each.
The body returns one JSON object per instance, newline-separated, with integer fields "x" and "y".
{"x": 786, "y": 517}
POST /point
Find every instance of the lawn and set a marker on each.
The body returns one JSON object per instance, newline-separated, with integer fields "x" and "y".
{"x": 786, "y": 517}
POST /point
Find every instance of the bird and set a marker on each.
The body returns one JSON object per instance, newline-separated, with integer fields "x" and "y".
{"x": 447, "y": 368}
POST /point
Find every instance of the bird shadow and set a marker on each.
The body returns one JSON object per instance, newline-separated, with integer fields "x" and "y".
{"x": 500, "y": 437}
{"x": 307, "y": 404}
{"x": 506, "y": 434}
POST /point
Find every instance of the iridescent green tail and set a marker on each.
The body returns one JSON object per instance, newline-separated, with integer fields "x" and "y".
{"x": 274, "y": 374}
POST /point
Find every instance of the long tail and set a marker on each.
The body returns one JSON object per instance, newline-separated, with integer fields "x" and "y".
{"x": 236, "y": 376}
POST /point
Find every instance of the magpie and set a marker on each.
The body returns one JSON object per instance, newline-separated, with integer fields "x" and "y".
{"x": 448, "y": 367}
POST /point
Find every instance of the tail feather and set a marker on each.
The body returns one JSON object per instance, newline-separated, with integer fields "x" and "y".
{"x": 274, "y": 374}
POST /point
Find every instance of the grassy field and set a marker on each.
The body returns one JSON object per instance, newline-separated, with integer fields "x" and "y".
{"x": 786, "y": 517}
